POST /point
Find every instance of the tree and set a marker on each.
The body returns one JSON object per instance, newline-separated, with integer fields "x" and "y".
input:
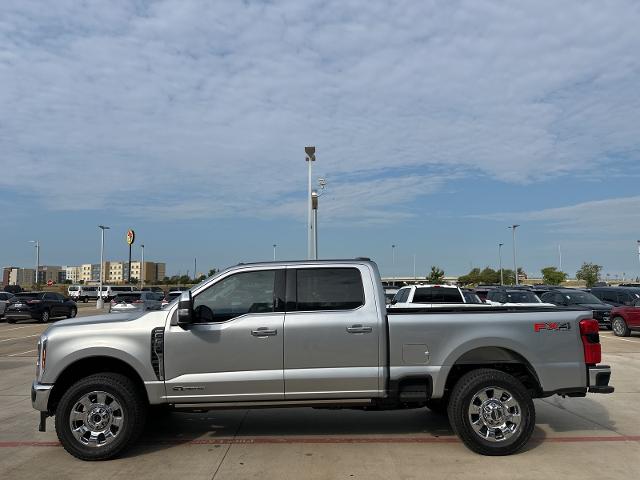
{"x": 436, "y": 275}
{"x": 553, "y": 276}
{"x": 590, "y": 273}
{"x": 212, "y": 272}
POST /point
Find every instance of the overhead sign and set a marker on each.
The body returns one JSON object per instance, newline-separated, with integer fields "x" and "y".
{"x": 131, "y": 237}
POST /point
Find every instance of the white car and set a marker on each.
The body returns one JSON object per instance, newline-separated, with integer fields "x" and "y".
{"x": 4, "y": 301}
{"x": 427, "y": 296}
{"x": 515, "y": 297}
{"x": 125, "y": 302}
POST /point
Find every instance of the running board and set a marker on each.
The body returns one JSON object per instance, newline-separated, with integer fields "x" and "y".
{"x": 273, "y": 403}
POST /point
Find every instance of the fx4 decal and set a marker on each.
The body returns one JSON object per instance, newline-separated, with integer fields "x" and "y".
{"x": 553, "y": 326}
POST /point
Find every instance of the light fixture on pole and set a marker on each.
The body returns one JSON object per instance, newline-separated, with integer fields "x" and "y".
{"x": 274, "y": 251}
{"x": 310, "y": 157}
{"x": 100, "y": 302}
{"x": 500, "y": 262}
{"x": 36, "y": 244}
{"x": 515, "y": 263}
{"x": 142, "y": 267}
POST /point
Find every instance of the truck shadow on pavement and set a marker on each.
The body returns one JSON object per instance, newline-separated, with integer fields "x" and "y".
{"x": 220, "y": 427}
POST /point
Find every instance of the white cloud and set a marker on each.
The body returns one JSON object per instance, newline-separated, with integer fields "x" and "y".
{"x": 202, "y": 108}
{"x": 601, "y": 218}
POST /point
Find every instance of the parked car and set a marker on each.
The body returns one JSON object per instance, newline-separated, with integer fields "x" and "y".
{"x": 4, "y": 301}
{"x": 153, "y": 289}
{"x": 226, "y": 344}
{"x": 135, "y": 302}
{"x": 625, "y": 319}
{"x": 471, "y": 297}
{"x": 42, "y": 306}
{"x": 617, "y": 296}
{"x": 424, "y": 296}
{"x": 571, "y": 297}
{"x": 170, "y": 297}
{"x": 13, "y": 288}
{"x": 83, "y": 293}
{"x": 515, "y": 297}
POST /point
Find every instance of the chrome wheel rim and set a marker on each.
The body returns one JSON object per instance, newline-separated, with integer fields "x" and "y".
{"x": 45, "y": 316}
{"x": 618, "y": 328}
{"x": 74, "y": 312}
{"x": 96, "y": 419}
{"x": 494, "y": 414}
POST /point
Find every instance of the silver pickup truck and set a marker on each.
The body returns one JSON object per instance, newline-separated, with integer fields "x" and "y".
{"x": 318, "y": 334}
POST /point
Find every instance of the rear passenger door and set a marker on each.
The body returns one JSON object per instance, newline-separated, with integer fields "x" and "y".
{"x": 331, "y": 333}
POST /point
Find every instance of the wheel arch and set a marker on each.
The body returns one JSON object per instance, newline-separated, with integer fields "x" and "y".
{"x": 498, "y": 358}
{"x": 90, "y": 366}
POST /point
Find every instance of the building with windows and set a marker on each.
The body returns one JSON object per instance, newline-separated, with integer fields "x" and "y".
{"x": 73, "y": 274}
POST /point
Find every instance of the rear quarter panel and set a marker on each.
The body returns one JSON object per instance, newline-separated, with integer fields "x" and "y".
{"x": 556, "y": 356}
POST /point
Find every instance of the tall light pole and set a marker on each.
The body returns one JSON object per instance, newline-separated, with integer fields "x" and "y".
{"x": 393, "y": 263}
{"x": 310, "y": 158}
{"x": 515, "y": 263}
{"x": 638, "y": 250}
{"x": 314, "y": 223}
{"x": 414, "y": 268}
{"x": 559, "y": 257}
{"x": 500, "y": 261}
{"x": 100, "y": 302}
{"x": 274, "y": 251}
{"x": 37, "y": 245}
{"x": 142, "y": 267}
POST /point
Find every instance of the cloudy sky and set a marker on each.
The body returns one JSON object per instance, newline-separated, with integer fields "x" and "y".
{"x": 437, "y": 124}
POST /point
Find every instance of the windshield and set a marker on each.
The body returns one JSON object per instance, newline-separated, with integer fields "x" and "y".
{"x": 580, "y": 297}
{"x": 522, "y": 297}
{"x": 127, "y": 297}
{"x": 74, "y": 289}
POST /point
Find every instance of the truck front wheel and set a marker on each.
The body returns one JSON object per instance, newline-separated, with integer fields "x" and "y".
{"x": 99, "y": 416}
{"x": 492, "y": 412}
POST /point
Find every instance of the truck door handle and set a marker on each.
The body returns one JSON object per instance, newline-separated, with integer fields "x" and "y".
{"x": 264, "y": 332}
{"x": 359, "y": 329}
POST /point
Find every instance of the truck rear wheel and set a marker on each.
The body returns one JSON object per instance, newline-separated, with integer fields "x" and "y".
{"x": 492, "y": 412}
{"x": 99, "y": 416}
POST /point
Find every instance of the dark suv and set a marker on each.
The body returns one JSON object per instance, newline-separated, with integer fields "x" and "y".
{"x": 41, "y": 306}
{"x": 617, "y": 296}
{"x": 578, "y": 298}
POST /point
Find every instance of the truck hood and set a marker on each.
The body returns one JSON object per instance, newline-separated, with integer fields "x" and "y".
{"x": 111, "y": 322}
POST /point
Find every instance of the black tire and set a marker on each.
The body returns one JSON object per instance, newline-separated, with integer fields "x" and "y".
{"x": 464, "y": 393}
{"x": 72, "y": 312}
{"x": 438, "y": 405}
{"x": 46, "y": 316}
{"x": 132, "y": 412}
{"x": 10, "y": 320}
{"x": 620, "y": 327}
{"x": 85, "y": 299}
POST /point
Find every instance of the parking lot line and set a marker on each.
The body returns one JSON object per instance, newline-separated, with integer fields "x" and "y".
{"x": 21, "y": 353}
{"x": 618, "y": 338}
{"x": 334, "y": 440}
{"x": 18, "y": 328}
{"x": 19, "y": 338}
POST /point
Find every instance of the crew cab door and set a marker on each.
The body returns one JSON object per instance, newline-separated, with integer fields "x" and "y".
{"x": 234, "y": 350}
{"x": 332, "y": 330}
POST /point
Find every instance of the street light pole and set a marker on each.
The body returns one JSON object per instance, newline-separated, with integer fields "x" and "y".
{"x": 393, "y": 263}
{"x": 559, "y": 257}
{"x": 274, "y": 251}
{"x": 142, "y": 268}
{"x": 414, "y": 268}
{"x": 515, "y": 263}
{"x": 500, "y": 260}
{"x": 37, "y": 245}
{"x": 314, "y": 209}
{"x": 310, "y": 157}
{"x": 100, "y": 302}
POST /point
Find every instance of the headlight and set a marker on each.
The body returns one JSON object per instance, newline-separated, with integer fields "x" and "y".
{"x": 42, "y": 357}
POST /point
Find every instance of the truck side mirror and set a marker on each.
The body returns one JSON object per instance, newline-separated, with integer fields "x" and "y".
{"x": 184, "y": 313}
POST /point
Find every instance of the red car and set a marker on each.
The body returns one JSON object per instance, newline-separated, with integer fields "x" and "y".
{"x": 624, "y": 319}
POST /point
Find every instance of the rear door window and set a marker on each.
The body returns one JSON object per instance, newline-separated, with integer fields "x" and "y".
{"x": 328, "y": 289}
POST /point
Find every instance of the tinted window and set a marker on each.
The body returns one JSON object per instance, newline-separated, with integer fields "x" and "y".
{"x": 437, "y": 295}
{"x": 471, "y": 297}
{"x": 329, "y": 289}
{"x": 402, "y": 295}
{"x": 127, "y": 297}
{"x": 235, "y": 295}
{"x": 522, "y": 297}
{"x": 574, "y": 298}
{"x": 74, "y": 289}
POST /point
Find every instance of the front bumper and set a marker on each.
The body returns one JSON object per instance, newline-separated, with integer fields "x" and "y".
{"x": 40, "y": 396}
{"x": 599, "y": 376}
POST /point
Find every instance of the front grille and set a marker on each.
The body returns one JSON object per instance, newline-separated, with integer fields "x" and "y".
{"x": 157, "y": 352}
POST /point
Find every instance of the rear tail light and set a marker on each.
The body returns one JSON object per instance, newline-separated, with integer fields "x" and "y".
{"x": 138, "y": 301}
{"x": 589, "y": 332}
{"x": 113, "y": 301}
